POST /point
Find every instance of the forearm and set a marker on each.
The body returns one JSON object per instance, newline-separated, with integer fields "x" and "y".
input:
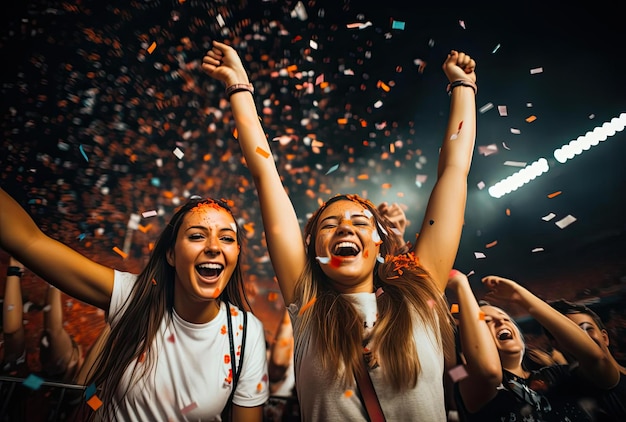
{"x": 458, "y": 143}
{"x": 477, "y": 342}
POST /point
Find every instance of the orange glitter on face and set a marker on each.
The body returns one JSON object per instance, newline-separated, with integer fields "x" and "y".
{"x": 206, "y": 206}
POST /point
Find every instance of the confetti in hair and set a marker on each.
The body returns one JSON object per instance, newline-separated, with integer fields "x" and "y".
{"x": 380, "y": 258}
{"x": 376, "y": 238}
{"x": 379, "y": 291}
{"x": 307, "y": 306}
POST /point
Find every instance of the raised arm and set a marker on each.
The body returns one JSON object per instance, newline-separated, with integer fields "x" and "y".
{"x": 282, "y": 230}
{"x": 440, "y": 233}
{"x": 73, "y": 273}
{"x": 482, "y": 362}
{"x": 594, "y": 366}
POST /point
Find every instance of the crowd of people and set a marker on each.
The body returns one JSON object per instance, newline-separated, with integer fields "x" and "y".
{"x": 195, "y": 169}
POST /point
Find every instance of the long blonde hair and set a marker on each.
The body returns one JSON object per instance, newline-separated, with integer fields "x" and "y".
{"x": 407, "y": 291}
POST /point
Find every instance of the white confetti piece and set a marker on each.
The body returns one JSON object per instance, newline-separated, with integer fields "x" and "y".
{"x": 566, "y": 221}
{"x": 485, "y": 108}
{"x": 471, "y": 273}
{"x": 515, "y": 163}
{"x": 481, "y": 185}
{"x": 502, "y": 110}
{"x": 147, "y": 214}
{"x": 479, "y": 255}
{"x": 515, "y": 131}
{"x": 505, "y": 147}
{"x": 220, "y": 20}
{"x": 487, "y": 150}
{"x": 536, "y": 70}
{"x": 496, "y": 49}
{"x": 537, "y": 250}
{"x": 548, "y": 217}
{"x": 323, "y": 259}
{"x": 179, "y": 153}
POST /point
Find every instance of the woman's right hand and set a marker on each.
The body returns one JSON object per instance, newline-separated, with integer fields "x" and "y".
{"x": 224, "y": 64}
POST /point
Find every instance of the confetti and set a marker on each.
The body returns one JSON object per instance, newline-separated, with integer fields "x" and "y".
{"x": 457, "y": 373}
{"x": 554, "y": 194}
{"x": 485, "y": 108}
{"x": 94, "y": 402}
{"x": 33, "y": 382}
{"x": 491, "y": 245}
{"x": 148, "y": 214}
{"x": 515, "y": 131}
{"x": 262, "y": 152}
{"x": 497, "y": 47}
{"x": 548, "y": 217}
{"x": 535, "y": 250}
{"x": 178, "y": 153}
{"x": 120, "y": 252}
{"x": 454, "y": 308}
{"x": 332, "y": 169}
{"x": 323, "y": 259}
{"x": 531, "y": 118}
{"x": 566, "y": 221}
{"x": 502, "y": 111}
{"x": 397, "y": 25}
{"x": 152, "y": 47}
{"x": 515, "y": 163}
{"x": 536, "y": 70}
{"x": 479, "y": 255}
{"x": 90, "y": 391}
{"x": 82, "y": 151}
{"x": 307, "y": 306}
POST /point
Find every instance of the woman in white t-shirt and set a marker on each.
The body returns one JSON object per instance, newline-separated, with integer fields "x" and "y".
{"x": 168, "y": 353}
{"x": 350, "y": 296}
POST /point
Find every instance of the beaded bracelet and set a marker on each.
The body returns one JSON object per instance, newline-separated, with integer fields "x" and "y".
{"x": 16, "y": 271}
{"x": 461, "y": 82}
{"x": 238, "y": 88}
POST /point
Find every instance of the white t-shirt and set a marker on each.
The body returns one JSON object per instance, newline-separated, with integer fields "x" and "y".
{"x": 190, "y": 380}
{"x": 323, "y": 398}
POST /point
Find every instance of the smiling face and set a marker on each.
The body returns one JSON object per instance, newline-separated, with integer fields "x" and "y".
{"x": 204, "y": 256}
{"x": 506, "y": 335}
{"x": 346, "y": 245}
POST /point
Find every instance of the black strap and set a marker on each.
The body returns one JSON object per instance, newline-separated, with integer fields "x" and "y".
{"x": 233, "y": 364}
{"x": 368, "y": 394}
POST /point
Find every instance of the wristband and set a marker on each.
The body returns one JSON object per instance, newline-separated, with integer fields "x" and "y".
{"x": 16, "y": 271}
{"x": 461, "y": 82}
{"x": 238, "y": 88}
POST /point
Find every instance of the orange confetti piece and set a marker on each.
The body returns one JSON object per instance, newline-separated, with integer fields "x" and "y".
{"x": 386, "y": 186}
{"x": 224, "y": 330}
{"x": 508, "y": 212}
{"x": 272, "y": 296}
{"x": 531, "y": 119}
{"x": 120, "y": 252}
{"x": 144, "y": 229}
{"x": 227, "y": 359}
{"x": 141, "y": 357}
{"x": 94, "y": 402}
{"x": 348, "y": 393}
{"x": 481, "y": 315}
{"x": 154, "y": 281}
{"x": 152, "y": 47}
{"x": 553, "y": 194}
{"x": 342, "y": 121}
{"x": 335, "y": 261}
{"x": 492, "y": 244}
{"x": 454, "y": 308}
{"x": 307, "y": 306}
{"x": 259, "y": 387}
{"x": 262, "y": 152}
{"x": 216, "y": 293}
{"x": 366, "y": 253}
{"x": 363, "y": 177}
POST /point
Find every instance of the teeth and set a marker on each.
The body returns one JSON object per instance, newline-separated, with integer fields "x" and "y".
{"x": 210, "y": 266}
{"x": 346, "y": 245}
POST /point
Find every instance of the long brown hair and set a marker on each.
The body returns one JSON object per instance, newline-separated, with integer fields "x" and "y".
{"x": 151, "y": 300}
{"x": 407, "y": 290}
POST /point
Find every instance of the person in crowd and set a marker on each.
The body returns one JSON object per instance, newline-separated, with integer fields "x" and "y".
{"x": 607, "y": 405}
{"x": 362, "y": 313}
{"x": 495, "y": 385}
{"x": 178, "y": 339}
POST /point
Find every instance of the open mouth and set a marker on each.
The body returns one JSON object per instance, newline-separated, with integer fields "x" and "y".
{"x": 209, "y": 270}
{"x": 504, "y": 334}
{"x": 346, "y": 249}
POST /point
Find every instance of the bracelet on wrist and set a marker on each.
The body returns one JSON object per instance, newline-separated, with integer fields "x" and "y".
{"x": 230, "y": 90}
{"x": 16, "y": 271}
{"x": 461, "y": 82}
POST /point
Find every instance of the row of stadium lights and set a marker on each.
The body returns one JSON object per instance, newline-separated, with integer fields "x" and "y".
{"x": 566, "y": 152}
